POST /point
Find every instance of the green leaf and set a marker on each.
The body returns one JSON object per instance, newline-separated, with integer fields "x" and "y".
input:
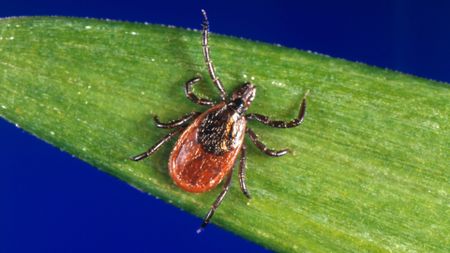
{"x": 369, "y": 170}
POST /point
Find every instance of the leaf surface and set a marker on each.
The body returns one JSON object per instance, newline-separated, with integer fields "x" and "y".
{"x": 369, "y": 170}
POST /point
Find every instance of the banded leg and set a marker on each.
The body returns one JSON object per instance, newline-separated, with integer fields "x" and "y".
{"x": 242, "y": 169}
{"x": 155, "y": 147}
{"x": 278, "y": 123}
{"x": 217, "y": 202}
{"x": 175, "y": 123}
{"x": 190, "y": 93}
{"x": 263, "y": 146}
{"x": 208, "y": 61}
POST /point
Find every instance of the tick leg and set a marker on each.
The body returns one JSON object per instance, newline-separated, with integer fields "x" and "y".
{"x": 155, "y": 147}
{"x": 263, "y": 146}
{"x": 207, "y": 57}
{"x": 190, "y": 93}
{"x": 217, "y": 202}
{"x": 175, "y": 123}
{"x": 278, "y": 123}
{"x": 242, "y": 169}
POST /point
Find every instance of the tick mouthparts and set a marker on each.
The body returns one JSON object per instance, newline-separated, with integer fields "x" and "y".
{"x": 200, "y": 230}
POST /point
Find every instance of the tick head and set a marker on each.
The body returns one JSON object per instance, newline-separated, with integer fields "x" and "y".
{"x": 243, "y": 97}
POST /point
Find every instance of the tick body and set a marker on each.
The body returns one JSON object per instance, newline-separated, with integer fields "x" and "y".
{"x": 210, "y": 142}
{"x": 205, "y": 152}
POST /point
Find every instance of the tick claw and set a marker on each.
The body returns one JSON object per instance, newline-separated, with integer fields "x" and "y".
{"x": 306, "y": 94}
{"x": 137, "y": 158}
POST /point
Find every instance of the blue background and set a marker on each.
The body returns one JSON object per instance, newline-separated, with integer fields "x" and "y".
{"x": 52, "y": 202}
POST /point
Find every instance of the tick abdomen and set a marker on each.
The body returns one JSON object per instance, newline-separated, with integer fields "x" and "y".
{"x": 204, "y": 154}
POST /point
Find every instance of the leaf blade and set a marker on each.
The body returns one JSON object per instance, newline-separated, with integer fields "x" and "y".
{"x": 368, "y": 170}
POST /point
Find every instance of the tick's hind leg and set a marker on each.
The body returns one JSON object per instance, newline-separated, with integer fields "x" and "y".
{"x": 176, "y": 123}
{"x": 190, "y": 93}
{"x": 242, "y": 169}
{"x": 217, "y": 202}
{"x": 263, "y": 146}
{"x": 278, "y": 123}
{"x": 155, "y": 147}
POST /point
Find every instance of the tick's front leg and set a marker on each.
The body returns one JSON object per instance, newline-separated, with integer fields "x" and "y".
{"x": 190, "y": 93}
{"x": 279, "y": 123}
{"x": 263, "y": 146}
{"x": 207, "y": 57}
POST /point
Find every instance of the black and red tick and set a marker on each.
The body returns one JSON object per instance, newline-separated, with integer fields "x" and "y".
{"x": 208, "y": 147}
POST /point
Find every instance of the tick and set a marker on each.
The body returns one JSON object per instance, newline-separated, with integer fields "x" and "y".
{"x": 207, "y": 149}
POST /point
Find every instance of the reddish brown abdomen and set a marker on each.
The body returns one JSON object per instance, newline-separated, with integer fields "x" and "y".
{"x": 195, "y": 170}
